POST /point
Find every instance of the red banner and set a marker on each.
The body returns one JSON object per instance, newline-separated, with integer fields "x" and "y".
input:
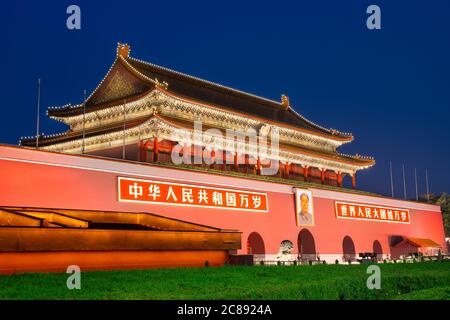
{"x": 147, "y": 191}
{"x": 372, "y": 213}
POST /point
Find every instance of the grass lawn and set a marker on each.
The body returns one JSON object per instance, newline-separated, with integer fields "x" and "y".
{"x": 398, "y": 281}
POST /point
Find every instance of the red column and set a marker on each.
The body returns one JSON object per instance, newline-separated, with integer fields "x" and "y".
{"x": 197, "y": 155}
{"x": 212, "y": 157}
{"x": 305, "y": 172}
{"x": 193, "y": 152}
{"x": 280, "y": 169}
{"x": 224, "y": 160}
{"x": 339, "y": 179}
{"x": 246, "y": 158}
{"x": 170, "y": 152}
{"x": 286, "y": 169}
{"x": 155, "y": 149}
{"x": 258, "y": 166}
{"x": 145, "y": 152}
{"x": 186, "y": 152}
{"x": 354, "y": 180}
{"x": 236, "y": 167}
{"x": 322, "y": 176}
{"x": 140, "y": 150}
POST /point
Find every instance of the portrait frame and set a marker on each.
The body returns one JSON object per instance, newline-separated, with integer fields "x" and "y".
{"x": 298, "y": 192}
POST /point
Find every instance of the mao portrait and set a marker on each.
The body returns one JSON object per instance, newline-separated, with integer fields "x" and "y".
{"x": 304, "y": 207}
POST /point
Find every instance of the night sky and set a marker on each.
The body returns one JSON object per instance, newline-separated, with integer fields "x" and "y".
{"x": 389, "y": 87}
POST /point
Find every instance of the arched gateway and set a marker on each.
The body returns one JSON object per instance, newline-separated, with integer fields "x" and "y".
{"x": 306, "y": 246}
{"x": 255, "y": 244}
{"x": 378, "y": 249}
{"x": 348, "y": 248}
{"x": 256, "y": 247}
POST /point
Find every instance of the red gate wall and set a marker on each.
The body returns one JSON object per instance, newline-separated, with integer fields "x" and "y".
{"x": 44, "y": 179}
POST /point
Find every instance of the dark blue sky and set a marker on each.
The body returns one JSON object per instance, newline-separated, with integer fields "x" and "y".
{"x": 389, "y": 87}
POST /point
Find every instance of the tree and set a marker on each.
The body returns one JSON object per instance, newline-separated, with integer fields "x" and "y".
{"x": 444, "y": 201}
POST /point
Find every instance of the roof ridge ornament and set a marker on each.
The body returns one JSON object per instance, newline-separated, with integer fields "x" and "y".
{"x": 285, "y": 101}
{"x": 123, "y": 50}
{"x": 162, "y": 85}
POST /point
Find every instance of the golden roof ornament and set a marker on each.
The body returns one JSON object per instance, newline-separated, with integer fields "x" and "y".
{"x": 123, "y": 50}
{"x": 285, "y": 101}
{"x": 163, "y": 85}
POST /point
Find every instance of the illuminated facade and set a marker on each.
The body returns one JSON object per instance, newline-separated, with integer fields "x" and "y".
{"x": 150, "y": 109}
{"x": 272, "y": 228}
{"x": 117, "y": 160}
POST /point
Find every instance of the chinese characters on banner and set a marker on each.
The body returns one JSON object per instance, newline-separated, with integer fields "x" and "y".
{"x": 373, "y": 213}
{"x": 147, "y": 191}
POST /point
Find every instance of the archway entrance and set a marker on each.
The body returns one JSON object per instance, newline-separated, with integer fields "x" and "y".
{"x": 306, "y": 246}
{"x": 256, "y": 247}
{"x": 378, "y": 250}
{"x": 348, "y": 248}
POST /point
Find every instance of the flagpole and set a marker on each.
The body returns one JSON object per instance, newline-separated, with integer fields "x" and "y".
{"x": 426, "y": 179}
{"x": 404, "y": 180}
{"x": 84, "y": 119}
{"x": 392, "y": 180}
{"x": 38, "y": 111}
{"x": 124, "y": 119}
{"x": 415, "y": 178}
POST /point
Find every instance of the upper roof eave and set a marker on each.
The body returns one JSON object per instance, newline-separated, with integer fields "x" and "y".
{"x": 73, "y": 110}
{"x": 275, "y": 104}
{"x": 76, "y": 112}
{"x": 69, "y": 110}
